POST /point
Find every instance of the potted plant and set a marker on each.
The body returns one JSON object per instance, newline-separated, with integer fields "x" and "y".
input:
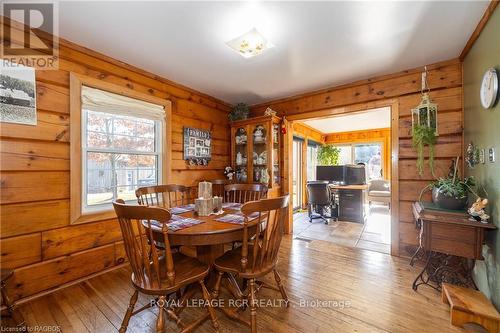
{"x": 328, "y": 155}
{"x": 451, "y": 192}
{"x": 239, "y": 112}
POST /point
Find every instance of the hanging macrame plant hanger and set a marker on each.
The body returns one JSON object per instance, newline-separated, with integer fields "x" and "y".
{"x": 425, "y": 114}
{"x": 424, "y": 126}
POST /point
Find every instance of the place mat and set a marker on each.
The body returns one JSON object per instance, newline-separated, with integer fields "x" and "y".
{"x": 183, "y": 223}
{"x": 231, "y": 205}
{"x": 231, "y": 218}
{"x": 182, "y": 209}
{"x": 178, "y": 223}
{"x": 235, "y": 218}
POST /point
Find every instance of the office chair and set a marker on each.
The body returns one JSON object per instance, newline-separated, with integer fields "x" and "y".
{"x": 319, "y": 199}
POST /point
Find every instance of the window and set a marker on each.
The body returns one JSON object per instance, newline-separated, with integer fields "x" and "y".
{"x": 345, "y": 155}
{"x": 370, "y": 154}
{"x": 119, "y": 141}
{"x": 120, "y": 153}
{"x": 312, "y": 159}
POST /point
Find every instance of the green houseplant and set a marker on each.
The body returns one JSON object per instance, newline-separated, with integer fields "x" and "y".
{"x": 328, "y": 155}
{"x": 424, "y": 136}
{"x": 239, "y": 112}
{"x": 451, "y": 192}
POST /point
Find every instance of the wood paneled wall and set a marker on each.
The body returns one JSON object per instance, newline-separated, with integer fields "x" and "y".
{"x": 36, "y": 237}
{"x": 382, "y": 135}
{"x": 445, "y": 80}
{"x": 308, "y": 133}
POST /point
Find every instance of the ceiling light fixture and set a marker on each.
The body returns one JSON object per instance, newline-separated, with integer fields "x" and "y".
{"x": 250, "y": 44}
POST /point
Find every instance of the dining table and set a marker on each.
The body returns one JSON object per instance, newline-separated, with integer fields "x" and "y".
{"x": 209, "y": 235}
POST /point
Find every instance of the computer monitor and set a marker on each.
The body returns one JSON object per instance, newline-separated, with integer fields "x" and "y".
{"x": 331, "y": 173}
{"x": 354, "y": 174}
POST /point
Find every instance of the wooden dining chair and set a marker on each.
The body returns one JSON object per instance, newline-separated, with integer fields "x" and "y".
{"x": 243, "y": 193}
{"x": 158, "y": 273}
{"x": 166, "y": 196}
{"x": 257, "y": 256}
{"x": 218, "y": 186}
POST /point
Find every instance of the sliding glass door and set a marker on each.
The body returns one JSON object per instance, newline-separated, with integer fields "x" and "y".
{"x": 297, "y": 173}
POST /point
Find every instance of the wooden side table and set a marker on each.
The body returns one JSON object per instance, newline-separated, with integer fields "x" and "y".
{"x": 447, "y": 243}
{"x": 18, "y": 319}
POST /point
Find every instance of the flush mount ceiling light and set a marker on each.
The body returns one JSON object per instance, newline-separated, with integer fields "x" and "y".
{"x": 250, "y": 44}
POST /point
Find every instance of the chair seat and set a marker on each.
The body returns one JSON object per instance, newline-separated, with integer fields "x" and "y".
{"x": 230, "y": 262}
{"x": 375, "y": 193}
{"x": 187, "y": 271}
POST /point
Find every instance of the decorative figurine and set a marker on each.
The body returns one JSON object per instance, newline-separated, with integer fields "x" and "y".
{"x": 229, "y": 173}
{"x": 264, "y": 177}
{"x": 476, "y": 211}
{"x": 269, "y": 112}
{"x": 258, "y": 134}
{"x": 239, "y": 159}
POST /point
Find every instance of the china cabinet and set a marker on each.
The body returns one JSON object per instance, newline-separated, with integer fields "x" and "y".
{"x": 256, "y": 151}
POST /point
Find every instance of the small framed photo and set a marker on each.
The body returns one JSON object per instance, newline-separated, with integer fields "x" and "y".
{"x": 18, "y": 95}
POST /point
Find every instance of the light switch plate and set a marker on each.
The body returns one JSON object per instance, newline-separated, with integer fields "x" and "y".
{"x": 491, "y": 154}
{"x": 482, "y": 156}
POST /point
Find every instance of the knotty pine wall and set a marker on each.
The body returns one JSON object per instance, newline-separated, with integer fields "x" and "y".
{"x": 445, "y": 80}
{"x": 36, "y": 237}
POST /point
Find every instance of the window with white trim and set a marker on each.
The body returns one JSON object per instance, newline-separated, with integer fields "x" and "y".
{"x": 121, "y": 147}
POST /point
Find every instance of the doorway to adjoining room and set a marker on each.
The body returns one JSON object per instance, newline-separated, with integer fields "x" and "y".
{"x": 341, "y": 179}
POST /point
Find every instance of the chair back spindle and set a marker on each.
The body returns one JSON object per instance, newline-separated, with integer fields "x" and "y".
{"x": 166, "y": 196}
{"x": 267, "y": 237}
{"x": 151, "y": 267}
{"x": 242, "y": 193}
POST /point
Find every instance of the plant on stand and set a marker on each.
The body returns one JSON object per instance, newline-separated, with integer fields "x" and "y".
{"x": 451, "y": 192}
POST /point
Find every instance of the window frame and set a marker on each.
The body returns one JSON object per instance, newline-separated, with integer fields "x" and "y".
{"x": 85, "y": 150}
{"x": 79, "y": 213}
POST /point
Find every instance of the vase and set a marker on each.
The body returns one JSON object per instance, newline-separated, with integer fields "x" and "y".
{"x": 447, "y": 202}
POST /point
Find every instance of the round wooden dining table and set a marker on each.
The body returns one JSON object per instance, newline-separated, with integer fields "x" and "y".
{"x": 208, "y": 237}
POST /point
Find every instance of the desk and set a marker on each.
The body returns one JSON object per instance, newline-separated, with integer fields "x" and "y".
{"x": 351, "y": 202}
{"x": 447, "y": 241}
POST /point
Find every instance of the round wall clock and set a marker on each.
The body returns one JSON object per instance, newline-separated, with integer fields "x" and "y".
{"x": 489, "y": 88}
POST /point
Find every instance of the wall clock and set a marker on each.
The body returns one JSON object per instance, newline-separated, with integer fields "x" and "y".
{"x": 489, "y": 88}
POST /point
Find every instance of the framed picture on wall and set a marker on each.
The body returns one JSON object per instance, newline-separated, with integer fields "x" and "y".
{"x": 197, "y": 146}
{"x": 18, "y": 95}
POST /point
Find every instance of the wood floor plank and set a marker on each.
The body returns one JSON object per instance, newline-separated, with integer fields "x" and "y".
{"x": 375, "y": 289}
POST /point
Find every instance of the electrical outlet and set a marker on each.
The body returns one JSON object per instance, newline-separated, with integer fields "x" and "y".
{"x": 491, "y": 154}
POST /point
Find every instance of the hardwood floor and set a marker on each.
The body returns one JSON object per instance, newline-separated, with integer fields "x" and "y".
{"x": 375, "y": 288}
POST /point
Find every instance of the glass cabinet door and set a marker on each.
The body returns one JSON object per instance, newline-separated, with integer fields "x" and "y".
{"x": 276, "y": 156}
{"x": 259, "y": 153}
{"x": 241, "y": 158}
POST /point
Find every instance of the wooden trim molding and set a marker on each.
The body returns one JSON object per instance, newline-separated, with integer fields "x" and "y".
{"x": 76, "y": 83}
{"x": 480, "y": 26}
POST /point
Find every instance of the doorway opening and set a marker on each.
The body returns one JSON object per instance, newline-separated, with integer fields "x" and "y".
{"x": 332, "y": 150}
